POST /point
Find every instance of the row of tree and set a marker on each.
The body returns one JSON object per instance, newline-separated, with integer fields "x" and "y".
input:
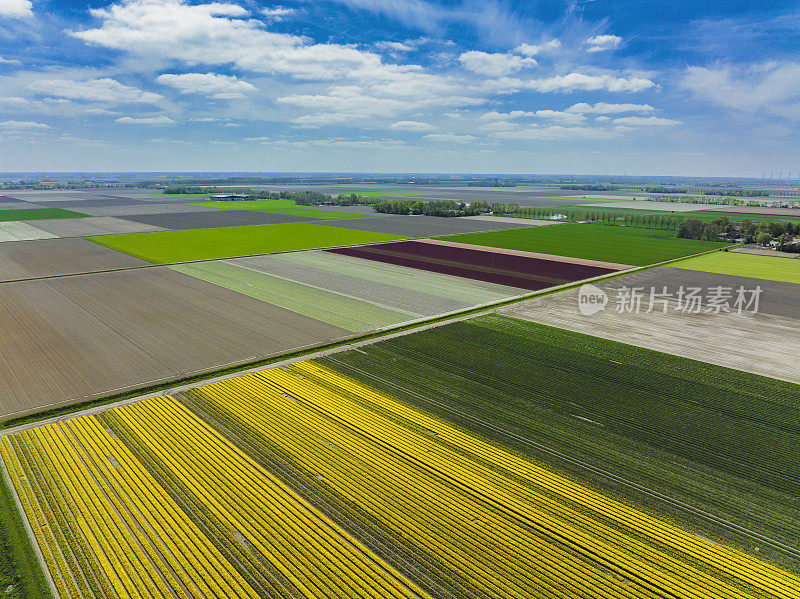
{"x": 433, "y": 208}
{"x": 762, "y": 233}
{"x": 667, "y": 222}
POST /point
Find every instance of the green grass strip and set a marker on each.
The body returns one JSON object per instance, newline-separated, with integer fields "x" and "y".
{"x": 771, "y": 268}
{"x": 199, "y": 244}
{"x": 286, "y": 207}
{"x": 20, "y": 571}
{"x": 625, "y": 245}
{"x": 39, "y": 214}
{"x": 338, "y": 310}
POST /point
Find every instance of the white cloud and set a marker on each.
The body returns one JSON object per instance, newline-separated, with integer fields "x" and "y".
{"x": 223, "y": 87}
{"x": 9, "y": 61}
{"x": 147, "y": 120}
{"x": 411, "y": 126}
{"x": 277, "y": 13}
{"x": 573, "y": 81}
{"x": 22, "y": 126}
{"x": 351, "y": 103}
{"x": 554, "y": 132}
{"x": 450, "y": 137}
{"x": 536, "y": 49}
{"x": 216, "y": 34}
{"x": 561, "y": 116}
{"x": 394, "y": 47}
{"x": 600, "y": 43}
{"x": 772, "y": 88}
{"x": 17, "y": 9}
{"x": 606, "y": 108}
{"x": 493, "y": 65}
{"x": 502, "y": 116}
{"x": 94, "y": 90}
{"x": 163, "y": 32}
{"x": 646, "y": 121}
{"x": 344, "y": 144}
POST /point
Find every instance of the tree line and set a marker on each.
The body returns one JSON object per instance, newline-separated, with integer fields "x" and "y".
{"x": 761, "y": 233}
{"x": 433, "y": 208}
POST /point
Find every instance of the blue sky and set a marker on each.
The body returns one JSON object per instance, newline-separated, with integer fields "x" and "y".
{"x": 645, "y": 87}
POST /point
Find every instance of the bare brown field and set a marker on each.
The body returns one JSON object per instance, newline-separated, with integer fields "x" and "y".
{"x": 76, "y": 338}
{"x": 763, "y": 343}
{"x": 48, "y": 257}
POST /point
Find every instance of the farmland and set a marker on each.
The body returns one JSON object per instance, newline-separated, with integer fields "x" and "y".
{"x": 298, "y": 480}
{"x": 422, "y": 225}
{"x": 773, "y": 268}
{"x": 346, "y": 292}
{"x": 627, "y": 245}
{"x": 605, "y": 412}
{"x": 700, "y": 335}
{"x": 472, "y": 263}
{"x": 38, "y": 214}
{"x": 287, "y": 207}
{"x": 49, "y": 257}
{"x": 93, "y": 225}
{"x": 18, "y": 231}
{"x": 78, "y": 338}
{"x": 196, "y": 244}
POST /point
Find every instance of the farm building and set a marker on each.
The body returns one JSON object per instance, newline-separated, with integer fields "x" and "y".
{"x": 228, "y": 197}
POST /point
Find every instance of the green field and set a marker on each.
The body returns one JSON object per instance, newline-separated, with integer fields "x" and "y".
{"x": 21, "y": 577}
{"x": 224, "y": 242}
{"x": 772, "y": 268}
{"x": 626, "y": 245}
{"x": 287, "y": 207}
{"x": 38, "y": 214}
{"x": 671, "y": 434}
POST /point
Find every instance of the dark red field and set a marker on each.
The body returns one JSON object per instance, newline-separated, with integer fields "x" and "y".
{"x": 504, "y": 269}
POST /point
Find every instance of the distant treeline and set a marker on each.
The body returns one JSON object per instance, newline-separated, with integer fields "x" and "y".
{"x": 491, "y": 183}
{"x": 433, "y": 208}
{"x": 724, "y": 201}
{"x": 589, "y": 187}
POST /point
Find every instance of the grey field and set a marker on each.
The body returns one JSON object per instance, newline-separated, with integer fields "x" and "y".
{"x": 76, "y": 338}
{"x": 127, "y": 209}
{"x": 79, "y": 205}
{"x": 93, "y": 225}
{"x": 48, "y": 257}
{"x": 214, "y": 218}
{"x": 420, "y": 226}
{"x": 764, "y": 343}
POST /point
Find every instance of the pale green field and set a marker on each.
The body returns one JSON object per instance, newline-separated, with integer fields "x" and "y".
{"x": 338, "y": 310}
{"x": 772, "y": 268}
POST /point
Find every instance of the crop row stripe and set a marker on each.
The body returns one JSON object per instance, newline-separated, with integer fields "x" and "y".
{"x": 469, "y": 476}
{"x": 408, "y": 480}
{"x": 260, "y": 488}
{"x": 733, "y": 563}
